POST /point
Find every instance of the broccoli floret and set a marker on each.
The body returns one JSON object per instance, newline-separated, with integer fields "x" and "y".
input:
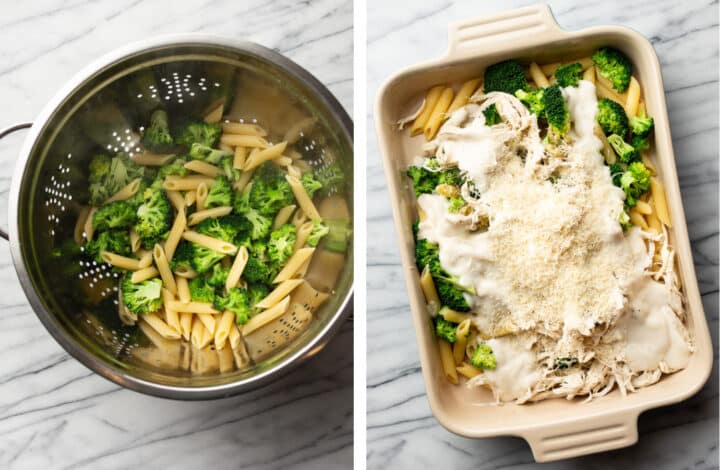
{"x": 635, "y": 182}
{"x": 424, "y": 180}
{"x": 569, "y": 75}
{"x": 451, "y": 296}
{"x": 270, "y": 190}
{"x": 154, "y": 217}
{"x": 533, "y": 100}
{"x": 614, "y": 66}
{"x": 616, "y": 171}
{"x": 625, "y": 152}
{"x": 556, "y": 110}
{"x": 109, "y": 175}
{"x": 202, "y": 133}
{"x": 118, "y": 214}
{"x": 338, "y": 236}
{"x": 226, "y": 228}
{"x": 218, "y": 276}
{"x": 220, "y": 194}
{"x": 156, "y": 137}
{"x": 483, "y": 357}
{"x": 183, "y": 256}
{"x": 238, "y": 302}
{"x": 612, "y": 118}
{"x": 565, "y": 362}
{"x": 641, "y": 125}
{"x": 203, "y": 258}
{"x": 426, "y": 253}
{"x": 256, "y": 292}
{"x": 445, "y": 329}
{"x": 455, "y": 204}
{"x": 492, "y": 116}
{"x": 310, "y": 183}
{"x": 208, "y": 154}
{"x": 448, "y": 286}
{"x": 201, "y": 291}
{"x": 258, "y": 272}
{"x": 507, "y": 76}
{"x": 114, "y": 241}
{"x": 319, "y": 230}
{"x": 230, "y": 172}
{"x": 281, "y": 244}
{"x": 640, "y": 143}
{"x": 624, "y": 220}
{"x": 177, "y": 167}
{"x": 452, "y": 176}
{"x": 332, "y": 178}
{"x": 259, "y": 224}
{"x": 142, "y": 297}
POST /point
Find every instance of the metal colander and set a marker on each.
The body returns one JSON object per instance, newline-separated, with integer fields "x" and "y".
{"x": 104, "y": 110}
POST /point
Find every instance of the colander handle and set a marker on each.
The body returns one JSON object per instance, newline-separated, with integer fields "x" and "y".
{"x": 3, "y": 133}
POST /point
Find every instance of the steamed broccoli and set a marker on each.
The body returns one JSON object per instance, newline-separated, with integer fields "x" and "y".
{"x": 281, "y": 244}
{"x": 230, "y": 172}
{"x": 142, "y": 297}
{"x": 156, "y": 137}
{"x": 612, "y": 118}
{"x": 238, "y": 302}
{"x": 183, "y": 256}
{"x": 614, "y": 66}
{"x": 220, "y": 194}
{"x": 114, "y": 241}
{"x": 569, "y": 75}
{"x": 332, "y": 178}
{"x": 154, "y": 217}
{"x": 257, "y": 271}
{"x": 201, "y": 291}
{"x": 533, "y": 100}
{"x": 319, "y": 230}
{"x": 259, "y": 224}
{"x": 208, "y": 154}
{"x": 641, "y": 125}
{"x": 118, "y": 214}
{"x": 203, "y": 258}
{"x": 616, "y": 171}
{"x": 310, "y": 183}
{"x": 451, "y": 296}
{"x": 635, "y": 182}
{"x": 625, "y": 152}
{"x": 455, "y": 204}
{"x": 492, "y": 116}
{"x": 426, "y": 253}
{"x": 640, "y": 143}
{"x": 109, "y": 175}
{"x": 200, "y": 133}
{"x": 556, "y": 110}
{"x": 483, "y": 357}
{"x": 176, "y": 167}
{"x": 256, "y": 292}
{"x": 425, "y": 180}
{"x": 338, "y": 236}
{"x": 445, "y": 329}
{"x": 218, "y": 276}
{"x": 507, "y": 76}
{"x": 270, "y": 190}
{"x": 624, "y": 220}
{"x": 226, "y": 228}
{"x": 448, "y": 286}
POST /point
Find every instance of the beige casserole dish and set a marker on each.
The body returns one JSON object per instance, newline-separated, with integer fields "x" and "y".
{"x": 557, "y": 428}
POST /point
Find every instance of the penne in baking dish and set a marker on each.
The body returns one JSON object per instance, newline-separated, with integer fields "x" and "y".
{"x": 542, "y": 233}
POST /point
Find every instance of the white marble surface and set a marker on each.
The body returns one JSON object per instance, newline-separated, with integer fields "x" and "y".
{"x": 402, "y": 433}
{"x": 55, "y": 413}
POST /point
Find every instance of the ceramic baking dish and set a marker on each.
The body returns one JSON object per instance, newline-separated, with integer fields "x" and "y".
{"x": 558, "y": 428}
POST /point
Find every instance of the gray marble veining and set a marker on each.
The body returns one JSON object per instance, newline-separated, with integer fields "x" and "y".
{"x": 55, "y": 413}
{"x": 402, "y": 433}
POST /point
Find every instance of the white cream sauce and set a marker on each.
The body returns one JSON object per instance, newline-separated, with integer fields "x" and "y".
{"x": 516, "y": 369}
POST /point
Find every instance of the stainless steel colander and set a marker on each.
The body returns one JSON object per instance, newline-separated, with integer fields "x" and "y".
{"x": 104, "y": 108}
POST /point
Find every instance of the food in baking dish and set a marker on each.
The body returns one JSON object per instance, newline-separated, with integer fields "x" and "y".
{"x": 542, "y": 234}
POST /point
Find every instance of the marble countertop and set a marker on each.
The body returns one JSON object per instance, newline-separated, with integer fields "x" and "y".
{"x": 55, "y": 413}
{"x": 402, "y": 432}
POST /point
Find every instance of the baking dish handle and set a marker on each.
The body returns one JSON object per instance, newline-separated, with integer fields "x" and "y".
{"x": 531, "y": 25}
{"x": 5, "y": 132}
{"x": 599, "y": 434}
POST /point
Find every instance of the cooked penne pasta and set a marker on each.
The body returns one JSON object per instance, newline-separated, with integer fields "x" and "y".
{"x": 79, "y": 231}
{"x": 152, "y": 159}
{"x": 163, "y": 268}
{"x": 461, "y": 332}
{"x": 239, "y": 158}
{"x": 255, "y": 159}
{"x": 303, "y": 233}
{"x": 237, "y": 140}
{"x": 193, "y": 307}
{"x": 88, "y": 229}
{"x": 538, "y": 76}
{"x": 461, "y": 99}
{"x": 203, "y": 168}
{"x": 266, "y": 316}
{"x": 172, "y": 318}
{"x": 428, "y": 287}
{"x": 222, "y": 331}
{"x": 234, "y": 337}
{"x": 243, "y": 181}
{"x": 657, "y": 191}
{"x": 200, "y": 196}
{"x": 280, "y": 292}
{"x": 176, "y": 231}
{"x": 186, "y": 321}
{"x": 302, "y": 198}
{"x": 146, "y": 258}
{"x": 121, "y": 262}
{"x": 183, "y": 289}
{"x": 236, "y": 270}
{"x": 186, "y": 272}
{"x": 467, "y": 371}
{"x": 637, "y": 218}
{"x": 126, "y": 192}
{"x": 197, "y": 217}
{"x": 447, "y": 361}
{"x": 283, "y": 215}
{"x": 159, "y": 325}
{"x": 633, "y": 98}
{"x": 190, "y": 198}
{"x": 453, "y": 316}
{"x": 208, "y": 320}
{"x": 293, "y": 264}
{"x": 134, "y": 240}
{"x": 144, "y": 274}
{"x": 643, "y": 207}
{"x": 186, "y": 183}
{"x": 198, "y": 336}
{"x": 438, "y": 113}
{"x": 215, "y": 114}
{"x": 589, "y": 75}
{"x": 243, "y": 129}
{"x": 426, "y": 110}
{"x": 214, "y": 244}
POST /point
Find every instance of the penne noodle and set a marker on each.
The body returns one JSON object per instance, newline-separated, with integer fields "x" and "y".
{"x": 183, "y": 289}
{"x": 463, "y": 96}
{"x": 223, "y": 329}
{"x": 455, "y": 317}
{"x": 303, "y": 233}
{"x": 88, "y": 229}
{"x": 239, "y": 158}
{"x": 461, "y": 332}
{"x": 283, "y": 161}
{"x": 283, "y": 216}
{"x": 549, "y": 69}
{"x": 173, "y": 183}
{"x": 192, "y": 307}
{"x": 301, "y": 196}
{"x": 234, "y": 336}
{"x": 657, "y": 190}
{"x": 208, "y": 321}
{"x": 126, "y": 192}
{"x": 643, "y": 207}
{"x": 204, "y": 168}
{"x": 428, "y": 287}
{"x": 190, "y": 198}
{"x": 293, "y": 264}
{"x": 633, "y": 98}
{"x": 176, "y": 231}
{"x": 164, "y": 268}
{"x": 298, "y": 130}
{"x": 215, "y": 114}
{"x": 266, "y": 316}
{"x": 637, "y": 219}
{"x": 426, "y": 110}
{"x": 242, "y": 359}
{"x": 197, "y": 335}
{"x": 438, "y": 114}
{"x": 78, "y": 232}
{"x": 654, "y": 224}
{"x": 294, "y": 171}
{"x": 586, "y": 62}
{"x": 186, "y": 321}
{"x": 226, "y": 148}
{"x": 589, "y": 75}
{"x": 186, "y": 272}
{"x": 152, "y": 159}
{"x": 121, "y": 262}
{"x": 243, "y": 129}
{"x": 538, "y": 76}
{"x": 282, "y": 290}
{"x": 134, "y": 240}
{"x": 200, "y": 196}
{"x": 172, "y": 318}
{"x": 237, "y": 268}
{"x": 176, "y": 199}
{"x": 468, "y": 371}
{"x": 255, "y": 159}
{"x": 648, "y": 163}
{"x": 236, "y": 140}
{"x": 146, "y": 258}
{"x": 159, "y": 325}
{"x": 144, "y": 274}
{"x": 243, "y": 181}
{"x": 197, "y": 217}
{"x": 447, "y": 361}
{"x": 214, "y": 244}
